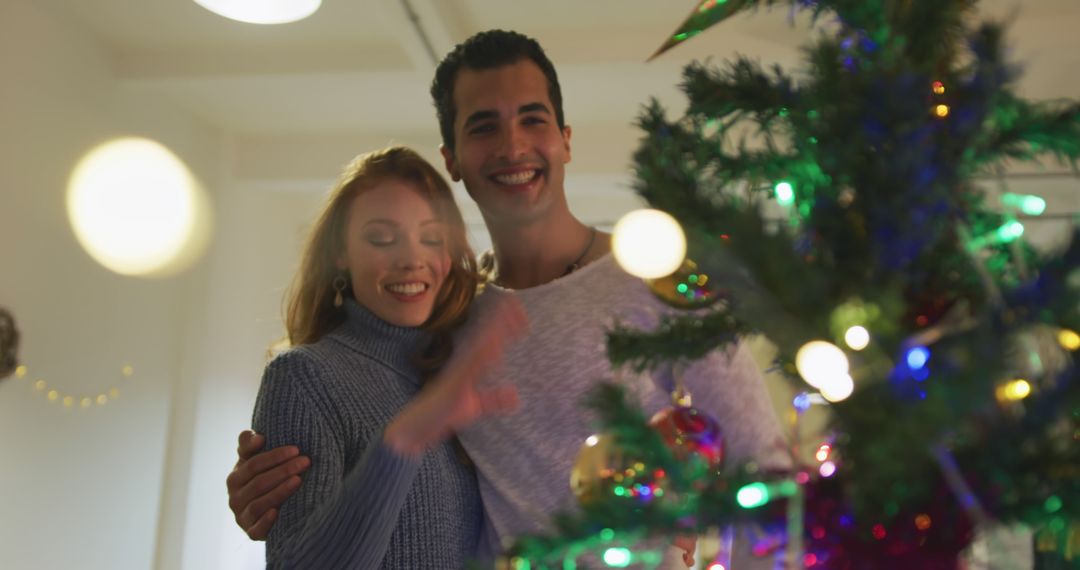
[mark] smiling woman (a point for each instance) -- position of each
(369, 389)
(262, 11)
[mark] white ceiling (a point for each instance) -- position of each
(356, 73)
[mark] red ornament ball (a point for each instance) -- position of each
(689, 432)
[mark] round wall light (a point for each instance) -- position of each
(136, 208)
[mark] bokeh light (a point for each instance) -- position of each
(820, 362)
(857, 337)
(1068, 339)
(785, 193)
(1026, 203)
(1014, 390)
(617, 557)
(649, 243)
(136, 209)
(752, 495)
(837, 388)
(917, 357)
(827, 469)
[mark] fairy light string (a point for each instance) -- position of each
(66, 399)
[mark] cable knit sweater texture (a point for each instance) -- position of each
(360, 505)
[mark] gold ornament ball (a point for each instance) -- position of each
(687, 288)
(602, 471)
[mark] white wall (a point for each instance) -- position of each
(79, 488)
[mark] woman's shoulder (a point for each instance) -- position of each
(327, 362)
(305, 362)
(309, 355)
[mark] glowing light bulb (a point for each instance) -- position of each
(1068, 339)
(649, 244)
(801, 402)
(857, 337)
(1026, 203)
(752, 495)
(617, 557)
(820, 362)
(1010, 231)
(785, 193)
(1014, 391)
(941, 111)
(592, 440)
(917, 357)
(827, 469)
(837, 388)
(939, 88)
(823, 452)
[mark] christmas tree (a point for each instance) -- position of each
(893, 285)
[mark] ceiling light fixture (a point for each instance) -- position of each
(262, 11)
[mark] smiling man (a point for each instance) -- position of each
(499, 105)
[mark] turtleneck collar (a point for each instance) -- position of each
(390, 344)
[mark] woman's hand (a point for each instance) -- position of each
(453, 399)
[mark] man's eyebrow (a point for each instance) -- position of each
(533, 108)
(480, 116)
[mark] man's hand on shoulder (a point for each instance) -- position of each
(260, 482)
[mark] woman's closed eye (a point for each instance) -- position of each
(380, 239)
(433, 238)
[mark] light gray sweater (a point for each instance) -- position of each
(360, 505)
(524, 459)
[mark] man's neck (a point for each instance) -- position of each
(528, 255)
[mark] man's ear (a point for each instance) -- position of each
(566, 141)
(451, 164)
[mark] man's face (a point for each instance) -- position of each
(510, 151)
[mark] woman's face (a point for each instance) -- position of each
(396, 252)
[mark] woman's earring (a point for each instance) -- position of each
(339, 286)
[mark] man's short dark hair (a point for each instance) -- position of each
(488, 50)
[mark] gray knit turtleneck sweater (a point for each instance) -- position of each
(360, 505)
